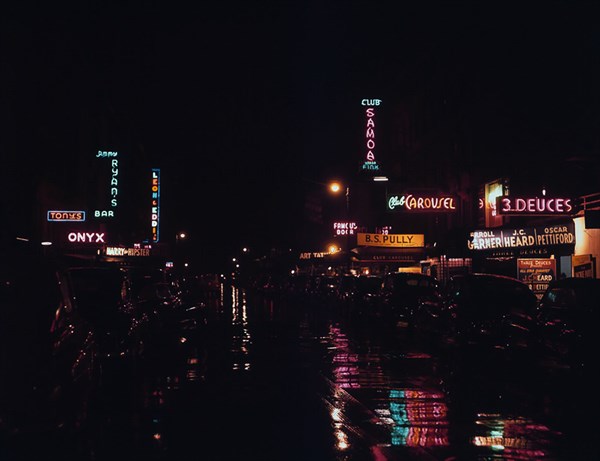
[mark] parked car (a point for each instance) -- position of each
(367, 292)
(96, 323)
(297, 285)
(327, 288)
(176, 309)
(567, 313)
(402, 294)
(28, 298)
(490, 311)
(346, 289)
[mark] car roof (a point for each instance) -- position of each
(409, 274)
(577, 281)
(485, 274)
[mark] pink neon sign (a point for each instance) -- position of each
(533, 206)
(370, 163)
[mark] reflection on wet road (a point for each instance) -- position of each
(276, 379)
(391, 398)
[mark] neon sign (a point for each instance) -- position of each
(86, 237)
(370, 164)
(311, 255)
(119, 251)
(533, 206)
(410, 202)
(155, 209)
(344, 228)
(66, 215)
(113, 184)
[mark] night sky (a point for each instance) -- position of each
(239, 103)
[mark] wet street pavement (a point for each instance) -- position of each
(290, 379)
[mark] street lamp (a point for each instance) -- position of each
(336, 187)
(179, 237)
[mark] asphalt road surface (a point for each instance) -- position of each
(275, 378)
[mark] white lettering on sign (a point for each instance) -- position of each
(86, 237)
(345, 228)
(522, 238)
(104, 214)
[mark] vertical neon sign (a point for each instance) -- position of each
(370, 163)
(113, 185)
(155, 211)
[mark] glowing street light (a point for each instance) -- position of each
(333, 249)
(335, 187)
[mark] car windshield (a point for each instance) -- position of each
(496, 296)
(144, 281)
(368, 284)
(577, 294)
(97, 288)
(347, 282)
(412, 282)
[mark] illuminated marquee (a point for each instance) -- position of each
(66, 215)
(155, 201)
(113, 185)
(410, 202)
(563, 234)
(370, 164)
(344, 228)
(391, 240)
(507, 205)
